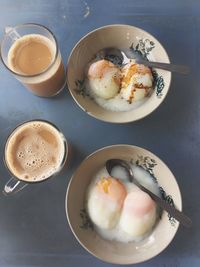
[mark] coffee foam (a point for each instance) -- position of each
(35, 151)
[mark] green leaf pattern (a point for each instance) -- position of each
(86, 222)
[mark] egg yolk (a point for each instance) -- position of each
(112, 187)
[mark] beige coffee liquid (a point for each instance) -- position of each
(34, 151)
(35, 54)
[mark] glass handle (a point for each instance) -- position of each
(13, 186)
(12, 33)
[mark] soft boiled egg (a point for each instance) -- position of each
(105, 201)
(138, 214)
(104, 79)
(137, 80)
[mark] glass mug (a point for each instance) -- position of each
(35, 151)
(31, 53)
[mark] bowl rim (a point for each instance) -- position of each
(67, 202)
(93, 114)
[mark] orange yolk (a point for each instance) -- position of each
(113, 188)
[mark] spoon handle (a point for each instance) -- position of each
(178, 215)
(182, 69)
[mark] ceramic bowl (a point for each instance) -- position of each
(81, 226)
(119, 36)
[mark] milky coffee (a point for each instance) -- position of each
(35, 54)
(35, 151)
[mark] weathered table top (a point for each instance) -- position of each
(33, 225)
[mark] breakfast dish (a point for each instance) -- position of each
(123, 102)
(118, 209)
(98, 231)
(118, 88)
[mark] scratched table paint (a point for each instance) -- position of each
(33, 226)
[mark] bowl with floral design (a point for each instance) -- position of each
(83, 228)
(121, 37)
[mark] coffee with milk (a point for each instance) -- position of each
(35, 151)
(39, 65)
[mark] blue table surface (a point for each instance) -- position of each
(33, 225)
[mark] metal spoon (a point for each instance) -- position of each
(178, 215)
(125, 55)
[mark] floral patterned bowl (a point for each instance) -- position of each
(81, 226)
(119, 36)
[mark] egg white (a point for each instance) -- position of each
(106, 87)
(136, 226)
(130, 92)
(121, 228)
(103, 211)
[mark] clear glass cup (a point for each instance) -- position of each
(16, 183)
(51, 80)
